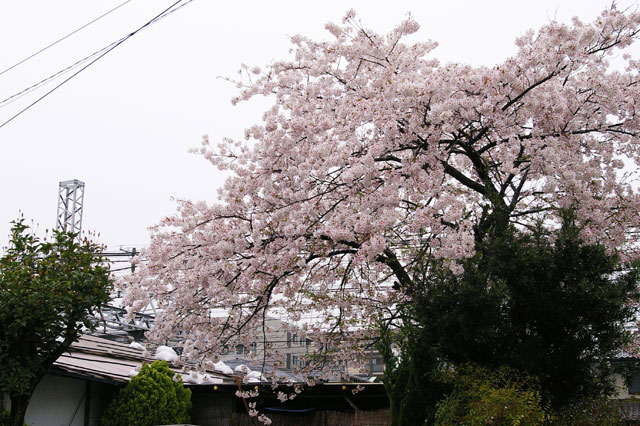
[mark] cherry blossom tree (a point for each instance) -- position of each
(375, 155)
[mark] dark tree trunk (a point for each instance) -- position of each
(19, 405)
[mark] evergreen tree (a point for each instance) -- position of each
(553, 308)
(154, 396)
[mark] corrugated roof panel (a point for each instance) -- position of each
(100, 358)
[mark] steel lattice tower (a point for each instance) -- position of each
(70, 206)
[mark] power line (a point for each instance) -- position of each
(126, 268)
(63, 71)
(113, 45)
(65, 37)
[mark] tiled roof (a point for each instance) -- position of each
(102, 359)
(96, 358)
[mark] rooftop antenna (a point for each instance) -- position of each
(70, 206)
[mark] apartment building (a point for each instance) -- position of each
(278, 338)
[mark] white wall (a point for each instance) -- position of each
(55, 401)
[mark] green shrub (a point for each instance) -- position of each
(152, 397)
(484, 397)
(591, 412)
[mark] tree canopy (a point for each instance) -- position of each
(553, 309)
(48, 290)
(374, 155)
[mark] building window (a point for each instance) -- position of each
(288, 339)
(289, 361)
(254, 347)
(294, 361)
(376, 365)
(240, 350)
(634, 384)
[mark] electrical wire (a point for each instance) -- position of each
(26, 91)
(126, 268)
(104, 51)
(64, 38)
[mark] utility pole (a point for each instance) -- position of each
(70, 206)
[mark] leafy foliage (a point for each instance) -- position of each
(591, 412)
(502, 397)
(47, 291)
(552, 307)
(5, 419)
(413, 378)
(154, 396)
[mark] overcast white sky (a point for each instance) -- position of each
(124, 125)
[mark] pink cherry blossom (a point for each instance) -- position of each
(374, 154)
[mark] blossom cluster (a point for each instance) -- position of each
(374, 155)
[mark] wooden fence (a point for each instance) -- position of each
(318, 418)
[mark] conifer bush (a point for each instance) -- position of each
(155, 396)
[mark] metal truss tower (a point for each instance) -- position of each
(70, 206)
(111, 321)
